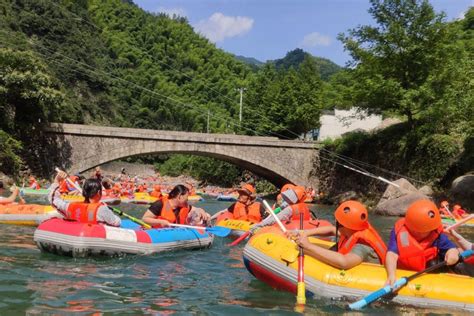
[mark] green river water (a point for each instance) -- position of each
(205, 282)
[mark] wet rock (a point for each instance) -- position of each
(349, 195)
(395, 201)
(462, 191)
(426, 190)
(398, 206)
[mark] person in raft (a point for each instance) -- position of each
(466, 267)
(417, 241)
(444, 209)
(174, 209)
(292, 206)
(90, 211)
(357, 242)
(11, 199)
(246, 208)
(458, 212)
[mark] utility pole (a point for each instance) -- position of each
(241, 96)
(208, 115)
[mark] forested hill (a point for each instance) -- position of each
(295, 57)
(111, 63)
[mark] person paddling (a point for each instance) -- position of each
(417, 241)
(358, 240)
(246, 208)
(175, 209)
(11, 199)
(90, 211)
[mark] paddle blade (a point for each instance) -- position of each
(238, 240)
(219, 231)
(377, 294)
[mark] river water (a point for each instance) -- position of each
(205, 282)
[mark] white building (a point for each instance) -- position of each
(338, 122)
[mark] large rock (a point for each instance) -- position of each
(462, 191)
(392, 192)
(426, 190)
(398, 206)
(395, 201)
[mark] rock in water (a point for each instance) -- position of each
(462, 191)
(395, 201)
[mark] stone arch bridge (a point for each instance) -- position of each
(278, 161)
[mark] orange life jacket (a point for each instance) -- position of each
(66, 187)
(168, 213)
(368, 237)
(155, 194)
(300, 208)
(83, 212)
(34, 185)
(249, 213)
(413, 255)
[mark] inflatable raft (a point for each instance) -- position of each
(26, 214)
(82, 240)
(227, 198)
(273, 259)
(451, 221)
(239, 227)
(29, 191)
(111, 200)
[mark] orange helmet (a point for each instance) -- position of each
(456, 207)
(422, 216)
(247, 189)
(353, 215)
(286, 187)
(444, 204)
(300, 193)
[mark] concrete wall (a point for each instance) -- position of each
(333, 126)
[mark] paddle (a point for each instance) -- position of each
(216, 230)
(400, 283)
(461, 222)
(246, 234)
(449, 212)
(130, 217)
(300, 290)
(269, 209)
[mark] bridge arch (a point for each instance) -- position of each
(276, 160)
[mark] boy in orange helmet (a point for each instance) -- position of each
(417, 241)
(358, 241)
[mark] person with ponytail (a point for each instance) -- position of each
(174, 209)
(91, 211)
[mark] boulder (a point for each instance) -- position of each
(426, 190)
(398, 206)
(392, 192)
(395, 201)
(462, 191)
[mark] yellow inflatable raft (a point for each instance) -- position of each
(272, 258)
(238, 227)
(26, 214)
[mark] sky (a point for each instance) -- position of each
(268, 29)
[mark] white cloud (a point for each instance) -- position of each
(315, 39)
(172, 11)
(219, 26)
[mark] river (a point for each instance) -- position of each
(205, 282)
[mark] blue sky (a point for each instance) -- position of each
(268, 29)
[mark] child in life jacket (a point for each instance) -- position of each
(91, 211)
(417, 241)
(174, 209)
(246, 208)
(357, 242)
(292, 205)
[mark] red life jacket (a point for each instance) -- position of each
(167, 213)
(249, 213)
(83, 212)
(300, 208)
(368, 237)
(413, 255)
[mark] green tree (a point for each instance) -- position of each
(394, 61)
